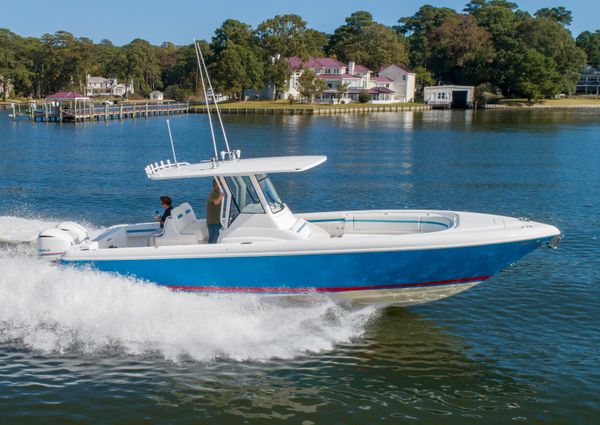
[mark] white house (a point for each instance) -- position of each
(403, 81)
(394, 83)
(100, 86)
(449, 96)
(5, 83)
(156, 95)
(589, 81)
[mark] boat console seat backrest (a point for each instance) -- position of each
(183, 217)
(182, 227)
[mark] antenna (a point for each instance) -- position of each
(212, 131)
(212, 91)
(172, 145)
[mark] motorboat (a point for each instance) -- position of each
(401, 257)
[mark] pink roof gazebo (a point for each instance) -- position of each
(67, 95)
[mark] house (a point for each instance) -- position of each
(449, 96)
(5, 85)
(100, 86)
(345, 82)
(589, 81)
(402, 81)
(156, 95)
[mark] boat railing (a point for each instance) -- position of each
(157, 167)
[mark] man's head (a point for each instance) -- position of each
(165, 201)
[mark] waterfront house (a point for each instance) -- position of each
(5, 85)
(156, 95)
(401, 81)
(589, 81)
(100, 86)
(449, 96)
(344, 83)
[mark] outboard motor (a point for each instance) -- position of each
(78, 232)
(52, 243)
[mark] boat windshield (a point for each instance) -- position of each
(270, 193)
(244, 198)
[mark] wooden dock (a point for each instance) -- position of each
(47, 112)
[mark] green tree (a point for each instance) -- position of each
(277, 73)
(233, 31)
(14, 63)
(87, 61)
(182, 69)
(140, 62)
(550, 39)
(423, 79)
(367, 42)
(288, 35)
(341, 90)
(237, 70)
(556, 14)
(590, 43)
(237, 60)
(309, 85)
(460, 50)
(419, 28)
(364, 96)
(534, 75)
(501, 20)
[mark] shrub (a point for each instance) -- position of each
(486, 94)
(363, 96)
(177, 93)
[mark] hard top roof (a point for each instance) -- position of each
(235, 167)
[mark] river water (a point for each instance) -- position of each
(81, 346)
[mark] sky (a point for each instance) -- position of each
(179, 21)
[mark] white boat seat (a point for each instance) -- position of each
(183, 228)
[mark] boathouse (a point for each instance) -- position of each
(446, 97)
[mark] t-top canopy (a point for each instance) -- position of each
(233, 167)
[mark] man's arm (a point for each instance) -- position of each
(219, 198)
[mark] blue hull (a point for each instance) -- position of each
(324, 272)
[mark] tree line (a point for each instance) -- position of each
(491, 43)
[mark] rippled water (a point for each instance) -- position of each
(81, 346)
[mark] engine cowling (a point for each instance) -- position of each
(52, 243)
(77, 231)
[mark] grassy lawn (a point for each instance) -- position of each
(556, 103)
(284, 104)
(571, 101)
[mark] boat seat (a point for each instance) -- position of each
(183, 228)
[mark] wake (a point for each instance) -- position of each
(55, 309)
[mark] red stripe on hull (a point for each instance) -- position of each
(331, 289)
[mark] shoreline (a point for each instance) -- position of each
(274, 107)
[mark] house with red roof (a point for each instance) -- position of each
(394, 83)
